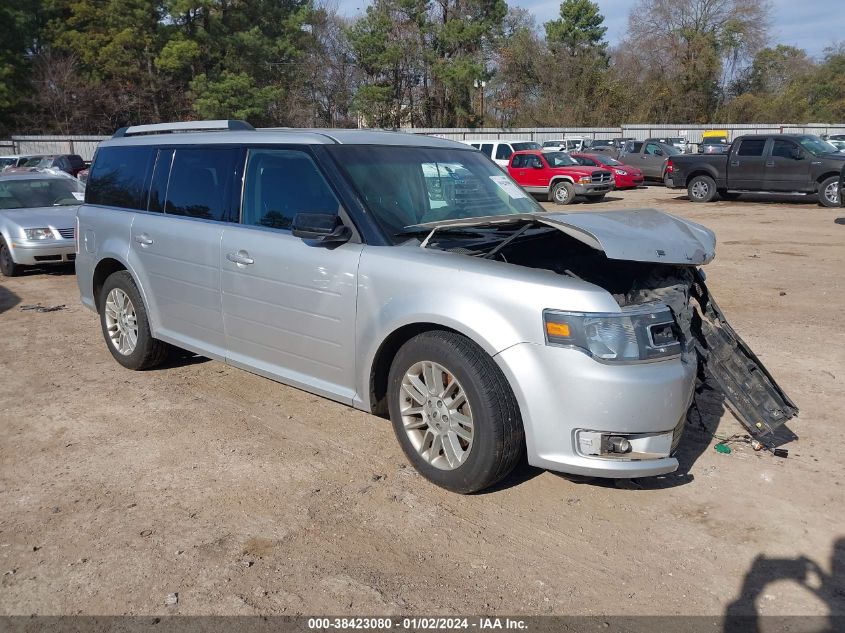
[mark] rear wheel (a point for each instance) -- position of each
(453, 412)
(829, 192)
(701, 189)
(563, 192)
(7, 265)
(123, 318)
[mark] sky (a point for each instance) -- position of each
(809, 24)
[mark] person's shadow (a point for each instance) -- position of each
(741, 615)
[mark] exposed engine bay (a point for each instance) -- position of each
(722, 358)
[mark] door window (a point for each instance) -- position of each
(751, 147)
(487, 148)
(784, 149)
(202, 183)
(653, 149)
(282, 183)
(518, 161)
(503, 151)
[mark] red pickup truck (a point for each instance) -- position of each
(559, 176)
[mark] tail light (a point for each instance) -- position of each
(669, 166)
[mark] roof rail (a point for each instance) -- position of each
(184, 126)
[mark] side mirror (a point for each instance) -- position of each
(537, 165)
(325, 228)
(658, 152)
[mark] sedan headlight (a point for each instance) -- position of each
(621, 172)
(642, 334)
(38, 234)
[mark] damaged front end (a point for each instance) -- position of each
(642, 257)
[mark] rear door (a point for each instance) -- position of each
(175, 247)
(288, 304)
(787, 167)
(747, 164)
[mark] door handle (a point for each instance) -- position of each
(734, 163)
(770, 163)
(241, 258)
(143, 239)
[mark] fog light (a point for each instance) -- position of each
(616, 444)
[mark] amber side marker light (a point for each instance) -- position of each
(557, 329)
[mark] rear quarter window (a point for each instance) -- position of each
(118, 177)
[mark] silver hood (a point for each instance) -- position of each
(60, 217)
(637, 235)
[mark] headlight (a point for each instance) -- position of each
(38, 234)
(621, 172)
(642, 334)
(585, 180)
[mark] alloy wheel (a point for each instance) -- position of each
(121, 321)
(436, 415)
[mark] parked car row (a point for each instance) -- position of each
(71, 164)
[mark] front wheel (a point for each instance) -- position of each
(7, 265)
(829, 192)
(563, 192)
(454, 412)
(126, 328)
(701, 189)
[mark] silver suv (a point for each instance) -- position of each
(408, 276)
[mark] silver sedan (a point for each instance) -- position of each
(37, 220)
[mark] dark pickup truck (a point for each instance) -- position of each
(771, 163)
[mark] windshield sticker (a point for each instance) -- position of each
(79, 195)
(509, 187)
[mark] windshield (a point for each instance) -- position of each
(519, 147)
(38, 161)
(607, 160)
(553, 143)
(671, 150)
(817, 146)
(601, 142)
(39, 192)
(5, 162)
(405, 186)
(559, 159)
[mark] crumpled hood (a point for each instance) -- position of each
(62, 217)
(637, 235)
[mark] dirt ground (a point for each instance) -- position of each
(245, 496)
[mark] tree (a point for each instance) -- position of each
(688, 51)
(578, 28)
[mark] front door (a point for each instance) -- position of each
(288, 304)
(652, 161)
(787, 167)
(175, 247)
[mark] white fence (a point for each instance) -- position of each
(639, 131)
(86, 145)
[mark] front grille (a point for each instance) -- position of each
(68, 234)
(602, 177)
(48, 258)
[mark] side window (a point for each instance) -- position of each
(534, 162)
(636, 147)
(783, 149)
(201, 183)
(118, 177)
(487, 148)
(281, 183)
(518, 161)
(652, 149)
(476, 145)
(503, 151)
(751, 147)
(161, 174)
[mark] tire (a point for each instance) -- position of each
(147, 351)
(701, 189)
(829, 192)
(7, 265)
(496, 442)
(724, 194)
(563, 192)
(597, 198)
